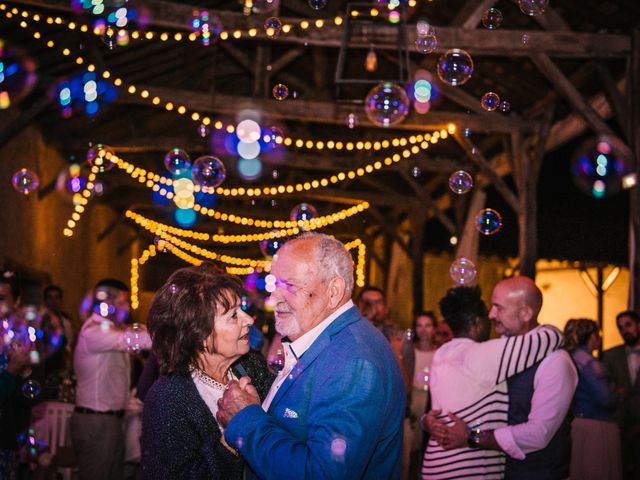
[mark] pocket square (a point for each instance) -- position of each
(288, 413)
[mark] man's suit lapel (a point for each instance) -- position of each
(314, 350)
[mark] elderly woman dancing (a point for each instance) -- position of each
(201, 340)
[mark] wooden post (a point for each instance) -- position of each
(418, 220)
(633, 81)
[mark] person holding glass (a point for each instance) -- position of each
(201, 341)
(595, 437)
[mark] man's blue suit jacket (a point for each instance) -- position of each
(338, 415)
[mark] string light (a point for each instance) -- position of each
(200, 118)
(153, 226)
(80, 200)
(163, 245)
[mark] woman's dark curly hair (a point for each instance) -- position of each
(461, 307)
(183, 311)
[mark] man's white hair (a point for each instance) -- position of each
(333, 258)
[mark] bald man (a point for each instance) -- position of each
(537, 440)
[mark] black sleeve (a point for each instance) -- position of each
(149, 375)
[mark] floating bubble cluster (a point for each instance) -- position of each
(386, 104)
(462, 271)
(488, 221)
(455, 67)
(303, 211)
(426, 40)
(490, 101)
(280, 91)
(177, 161)
(272, 27)
(599, 165)
(97, 155)
(460, 182)
(208, 171)
(25, 181)
(492, 18)
(533, 7)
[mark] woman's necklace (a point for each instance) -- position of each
(212, 382)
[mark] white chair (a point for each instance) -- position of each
(53, 430)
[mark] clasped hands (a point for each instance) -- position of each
(239, 394)
(448, 436)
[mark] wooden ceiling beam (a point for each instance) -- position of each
(555, 43)
(324, 112)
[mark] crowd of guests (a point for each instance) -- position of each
(352, 395)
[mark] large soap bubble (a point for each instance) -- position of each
(455, 67)
(599, 164)
(208, 171)
(386, 104)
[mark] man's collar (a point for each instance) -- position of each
(302, 343)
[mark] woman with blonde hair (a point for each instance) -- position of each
(595, 452)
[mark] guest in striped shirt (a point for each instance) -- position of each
(469, 381)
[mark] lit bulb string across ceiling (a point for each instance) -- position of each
(236, 34)
(153, 227)
(200, 118)
(151, 251)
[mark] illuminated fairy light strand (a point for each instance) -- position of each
(200, 118)
(237, 34)
(80, 201)
(154, 180)
(313, 224)
(151, 251)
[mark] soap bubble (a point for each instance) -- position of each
(269, 246)
(427, 43)
(599, 165)
(460, 182)
(490, 101)
(99, 155)
(280, 91)
(415, 171)
(424, 28)
(25, 181)
(203, 130)
(488, 221)
(272, 27)
(492, 18)
(31, 389)
(17, 75)
(177, 161)
(505, 106)
(303, 211)
(161, 244)
(467, 132)
(134, 338)
(386, 104)
(352, 120)
(208, 172)
(318, 4)
(455, 67)
(462, 271)
(533, 7)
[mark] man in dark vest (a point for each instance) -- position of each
(623, 365)
(538, 439)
